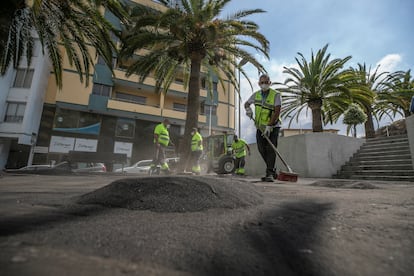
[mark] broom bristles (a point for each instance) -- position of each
(287, 176)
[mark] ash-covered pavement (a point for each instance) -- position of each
(186, 225)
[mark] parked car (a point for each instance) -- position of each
(140, 167)
(60, 168)
(143, 166)
(31, 168)
(88, 167)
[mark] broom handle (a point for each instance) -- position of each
(275, 149)
(278, 154)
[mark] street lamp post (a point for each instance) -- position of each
(212, 104)
(32, 146)
(241, 63)
(209, 121)
(239, 106)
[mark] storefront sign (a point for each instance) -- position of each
(123, 147)
(39, 149)
(89, 145)
(61, 144)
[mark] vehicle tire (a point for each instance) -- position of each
(226, 165)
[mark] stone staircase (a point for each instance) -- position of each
(382, 158)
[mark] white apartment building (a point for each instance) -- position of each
(22, 93)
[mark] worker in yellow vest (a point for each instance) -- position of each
(267, 102)
(196, 151)
(239, 147)
(161, 141)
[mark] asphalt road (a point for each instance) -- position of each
(311, 227)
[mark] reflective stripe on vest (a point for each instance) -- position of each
(163, 134)
(264, 108)
(239, 148)
(195, 145)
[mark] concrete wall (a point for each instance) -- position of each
(409, 122)
(309, 155)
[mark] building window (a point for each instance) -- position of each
(179, 79)
(23, 78)
(130, 98)
(203, 83)
(36, 49)
(77, 122)
(88, 119)
(101, 61)
(15, 112)
(215, 86)
(101, 90)
(66, 118)
(179, 107)
(125, 128)
(212, 109)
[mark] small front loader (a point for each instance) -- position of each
(219, 153)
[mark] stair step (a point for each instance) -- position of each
(385, 153)
(376, 177)
(377, 167)
(406, 161)
(382, 172)
(385, 145)
(384, 149)
(383, 178)
(387, 138)
(383, 158)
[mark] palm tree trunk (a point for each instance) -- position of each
(369, 124)
(317, 120)
(193, 105)
(315, 106)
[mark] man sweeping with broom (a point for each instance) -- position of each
(267, 104)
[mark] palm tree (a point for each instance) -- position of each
(374, 82)
(72, 24)
(187, 36)
(397, 98)
(318, 85)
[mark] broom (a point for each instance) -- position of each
(290, 175)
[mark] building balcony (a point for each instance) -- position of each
(134, 107)
(133, 81)
(150, 110)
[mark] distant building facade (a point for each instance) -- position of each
(40, 124)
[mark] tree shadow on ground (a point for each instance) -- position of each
(280, 242)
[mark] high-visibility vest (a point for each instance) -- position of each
(264, 108)
(239, 148)
(195, 142)
(163, 135)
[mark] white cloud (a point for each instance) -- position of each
(389, 63)
(275, 70)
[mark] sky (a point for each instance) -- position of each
(371, 31)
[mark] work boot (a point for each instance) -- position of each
(267, 179)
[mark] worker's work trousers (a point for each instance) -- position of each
(195, 161)
(266, 150)
(239, 165)
(159, 157)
